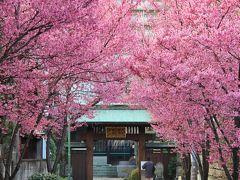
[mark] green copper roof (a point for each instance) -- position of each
(118, 116)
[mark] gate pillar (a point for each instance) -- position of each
(141, 147)
(89, 161)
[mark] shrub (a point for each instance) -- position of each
(41, 176)
(134, 175)
(51, 177)
(37, 176)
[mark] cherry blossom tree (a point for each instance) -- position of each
(57, 60)
(189, 68)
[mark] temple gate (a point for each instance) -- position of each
(114, 124)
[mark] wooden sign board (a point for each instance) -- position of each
(115, 132)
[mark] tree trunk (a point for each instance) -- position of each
(187, 166)
(200, 166)
(10, 152)
(235, 161)
(15, 170)
(235, 154)
(224, 166)
(59, 149)
(205, 164)
(29, 137)
(205, 157)
(48, 151)
(60, 145)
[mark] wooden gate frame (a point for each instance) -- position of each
(89, 137)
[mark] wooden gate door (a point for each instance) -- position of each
(78, 162)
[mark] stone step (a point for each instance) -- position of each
(105, 171)
(99, 160)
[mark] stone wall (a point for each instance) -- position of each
(29, 167)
